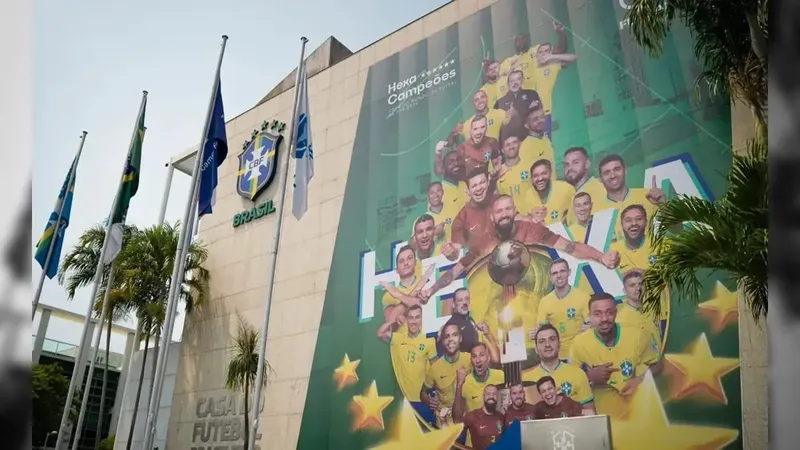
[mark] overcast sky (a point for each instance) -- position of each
(93, 59)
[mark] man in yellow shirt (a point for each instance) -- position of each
(566, 308)
(514, 176)
(439, 389)
(492, 80)
(495, 118)
(577, 172)
(524, 57)
(424, 239)
(634, 248)
(582, 211)
(570, 380)
(442, 211)
(545, 74)
(629, 312)
(545, 199)
(613, 174)
(536, 145)
(411, 354)
(470, 394)
(615, 357)
(397, 299)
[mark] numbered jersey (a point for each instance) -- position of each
(410, 359)
(567, 314)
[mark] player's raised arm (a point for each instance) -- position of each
(583, 251)
(459, 404)
(407, 300)
(385, 331)
(491, 340)
(438, 158)
(561, 46)
(564, 58)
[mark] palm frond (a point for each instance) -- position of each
(243, 362)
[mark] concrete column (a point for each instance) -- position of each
(130, 343)
(82, 360)
(41, 333)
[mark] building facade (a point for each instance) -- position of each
(384, 122)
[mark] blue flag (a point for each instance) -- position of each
(215, 149)
(54, 229)
(511, 439)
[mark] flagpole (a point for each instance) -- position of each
(57, 226)
(178, 267)
(274, 255)
(65, 428)
(95, 348)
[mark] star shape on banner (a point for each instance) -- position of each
(648, 427)
(722, 309)
(346, 374)
(408, 434)
(368, 408)
(697, 371)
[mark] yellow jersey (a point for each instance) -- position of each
(545, 80)
(441, 375)
(571, 381)
(557, 202)
(514, 181)
(410, 358)
(635, 196)
(495, 119)
(388, 300)
(631, 315)
(577, 232)
(567, 314)
(596, 191)
(454, 197)
(472, 391)
(631, 353)
(445, 218)
(491, 90)
(633, 258)
(532, 149)
(527, 62)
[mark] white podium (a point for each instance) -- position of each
(573, 433)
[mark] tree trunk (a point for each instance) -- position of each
(757, 40)
(156, 349)
(105, 382)
(246, 414)
(138, 393)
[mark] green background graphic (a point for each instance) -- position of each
(614, 99)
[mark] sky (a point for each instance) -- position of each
(93, 58)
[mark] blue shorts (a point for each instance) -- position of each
(424, 412)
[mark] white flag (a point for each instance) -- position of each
(304, 153)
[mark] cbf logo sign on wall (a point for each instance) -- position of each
(259, 160)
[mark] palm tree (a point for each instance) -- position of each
(243, 367)
(730, 39)
(730, 235)
(149, 262)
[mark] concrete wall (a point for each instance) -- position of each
(238, 258)
(129, 397)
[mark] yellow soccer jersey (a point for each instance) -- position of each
(533, 149)
(596, 191)
(630, 315)
(410, 358)
(545, 79)
(441, 375)
(577, 232)
(444, 217)
(632, 354)
(633, 258)
(454, 197)
(526, 63)
(570, 379)
(515, 181)
(388, 300)
(635, 196)
(491, 90)
(472, 391)
(495, 119)
(567, 315)
(557, 202)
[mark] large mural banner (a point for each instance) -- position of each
(492, 240)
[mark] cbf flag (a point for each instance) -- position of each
(215, 149)
(304, 152)
(55, 229)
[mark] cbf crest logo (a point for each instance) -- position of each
(258, 161)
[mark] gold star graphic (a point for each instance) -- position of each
(408, 434)
(368, 408)
(722, 309)
(345, 374)
(697, 371)
(647, 427)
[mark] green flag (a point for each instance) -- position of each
(128, 186)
